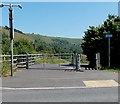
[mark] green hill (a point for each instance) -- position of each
(39, 43)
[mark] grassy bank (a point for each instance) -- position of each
(112, 69)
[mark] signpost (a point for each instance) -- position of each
(108, 36)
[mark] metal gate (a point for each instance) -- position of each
(50, 61)
(44, 61)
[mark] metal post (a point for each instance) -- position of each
(27, 61)
(77, 61)
(11, 37)
(109, 36)
(109, 51)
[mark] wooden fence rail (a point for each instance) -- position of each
(25, 60)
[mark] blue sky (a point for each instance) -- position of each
(59, 19)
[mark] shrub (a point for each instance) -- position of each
(5, 70)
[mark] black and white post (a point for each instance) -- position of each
(11, 31)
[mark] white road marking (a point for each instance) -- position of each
(53, 88)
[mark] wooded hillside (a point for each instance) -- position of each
(35, 43)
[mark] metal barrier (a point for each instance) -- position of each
(47, 59)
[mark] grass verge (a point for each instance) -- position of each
(5, 69)
(112, 69)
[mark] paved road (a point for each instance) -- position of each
(55, 78)
(37, 78)
(67, 95)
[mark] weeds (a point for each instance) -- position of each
(5, 69)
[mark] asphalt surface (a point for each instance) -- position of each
(55, 78)
(43, 78)
(68, 95)
(49, 66)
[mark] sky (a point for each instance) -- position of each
(59, 19)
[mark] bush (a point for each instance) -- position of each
(5, 70)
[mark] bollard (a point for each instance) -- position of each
(27, 61)
(77, 61)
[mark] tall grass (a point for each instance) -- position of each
(5, 69)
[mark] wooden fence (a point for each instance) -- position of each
(26, 60)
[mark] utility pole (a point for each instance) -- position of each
(11, 31)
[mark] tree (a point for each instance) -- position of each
(6, 46)
(95, 41)
(23, 46)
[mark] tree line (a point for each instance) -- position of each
(96, 42)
